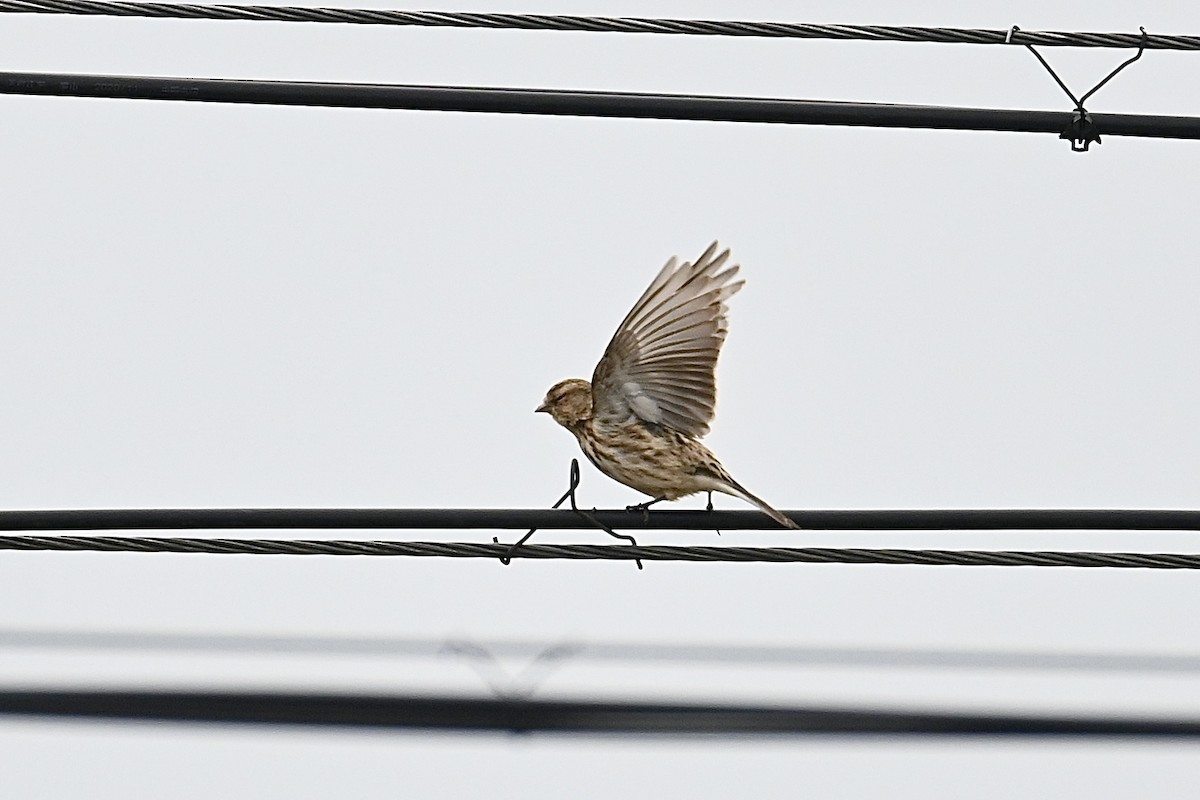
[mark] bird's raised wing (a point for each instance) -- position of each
(661, 362)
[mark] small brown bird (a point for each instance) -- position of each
(654, 391)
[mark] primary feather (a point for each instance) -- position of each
(661, 362)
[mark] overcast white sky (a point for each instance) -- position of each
(207, 305)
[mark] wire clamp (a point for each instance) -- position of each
(1082, 130)
(506, 559)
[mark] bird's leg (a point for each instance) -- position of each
(645, 508)
(710, 508)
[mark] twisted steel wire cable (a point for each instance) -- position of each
(546, 22)
(725, 554)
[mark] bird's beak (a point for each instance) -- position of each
(541, 408)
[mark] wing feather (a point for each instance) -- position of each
(661, 362)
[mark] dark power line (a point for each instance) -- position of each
(543, 22)
(589, 104)
(724, 554)
(552, 519)
(557, 716)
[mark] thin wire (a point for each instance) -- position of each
(559, 716)
(1062, 85)
(723, 554)
(1115, 72)
(543, 22)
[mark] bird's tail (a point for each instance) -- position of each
(737, 490)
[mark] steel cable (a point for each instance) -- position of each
(721, 554)
(545, 22)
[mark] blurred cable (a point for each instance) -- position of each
(593, 104)
(543, 22)
(557, 716)
(588, 650)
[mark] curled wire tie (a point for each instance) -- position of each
(506, 559)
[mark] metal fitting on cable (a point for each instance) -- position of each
(1081, 130)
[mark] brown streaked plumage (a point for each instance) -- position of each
(654, 391)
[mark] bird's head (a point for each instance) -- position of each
(569, 402)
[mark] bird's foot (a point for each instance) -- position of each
(645, 508)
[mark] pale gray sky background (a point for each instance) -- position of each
(207, 305)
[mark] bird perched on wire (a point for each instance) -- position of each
(654, 391)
